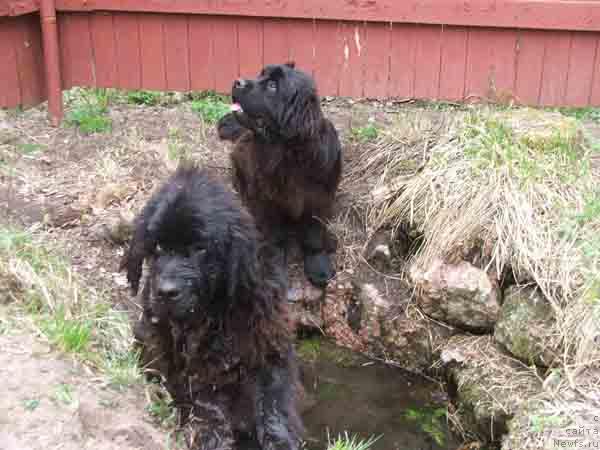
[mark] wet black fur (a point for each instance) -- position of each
(223, 344)
(287, 162)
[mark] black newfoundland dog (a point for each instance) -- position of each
(287, 162)
(215, 325)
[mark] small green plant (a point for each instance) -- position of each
(148, 98)
(592, 114)
(122, 369)
(542, 423)
(160, 407)
(64, 394)
(309, 349)
(176, 149)
(346, 442)
(365, 134)
(31, 404)
(29, 148)
(69, 334)
(89, 110)
(211, 107)
(431, 421)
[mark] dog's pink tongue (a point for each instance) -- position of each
(236, 107)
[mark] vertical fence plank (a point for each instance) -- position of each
(152, 50)
(29, 57)
(10, 91)
(427, 61)
(225, 51)
(402, 60)
(556, 61)
(201, 53)
(104, 49)
(128, 50)
(177, 52)
(377, 59)
(250, 46)
(491, 64)
(595, 93)
(78, 40)
(581, 69)
(302, 49)
(328, 56)
(353, 40)
(277, 41)
(65, 58)
(530, 67)
(454, 62)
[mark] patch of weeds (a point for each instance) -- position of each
(176, 149)
(365, 134)
(491, 143)
(29, 148)
(122, 369)
(592, 114)
(64, 394)
(108, 403)
(539, 424)
(211, 107)
(159, 406)
(75, 318)
(431, 420)
(31, 404)
(69, 334)
(347, 442)
(309, 349)
(89, 111)
(175, 440)
(148, 98)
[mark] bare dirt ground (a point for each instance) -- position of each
(48, 402)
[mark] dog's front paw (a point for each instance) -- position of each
(319, 268)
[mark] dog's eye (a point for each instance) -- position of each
(271, 85)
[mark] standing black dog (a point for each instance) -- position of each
(215, 324)
(287, 161)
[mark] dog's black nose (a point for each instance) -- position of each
(167, 289)
(240, 83)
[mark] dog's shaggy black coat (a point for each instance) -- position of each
(215, 324)
(287, 161)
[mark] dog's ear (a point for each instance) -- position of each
(139, 248)
(242, 262)
(302, 117)
(291, 64)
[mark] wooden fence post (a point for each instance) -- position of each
(51, 60)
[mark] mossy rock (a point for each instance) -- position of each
(488, 386)
(525, 326)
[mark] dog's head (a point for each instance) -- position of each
(201, 246)
(282, 99)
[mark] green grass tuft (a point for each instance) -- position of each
(346, 442)
(211, 107)
(148, 98)
(365, 134)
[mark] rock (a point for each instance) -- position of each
(378, 252)
(305, 300)
(459, 294)
(525, 325)
(488, 386)
(109, 194)
(566, 420)
(118, 229)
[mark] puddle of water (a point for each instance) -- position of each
(370, 400)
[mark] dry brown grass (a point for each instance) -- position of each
(516, 188)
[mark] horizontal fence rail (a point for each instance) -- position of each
(535, 52)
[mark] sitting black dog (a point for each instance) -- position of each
(287, 162)
(215, 325)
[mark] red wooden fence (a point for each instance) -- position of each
(538, 52)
